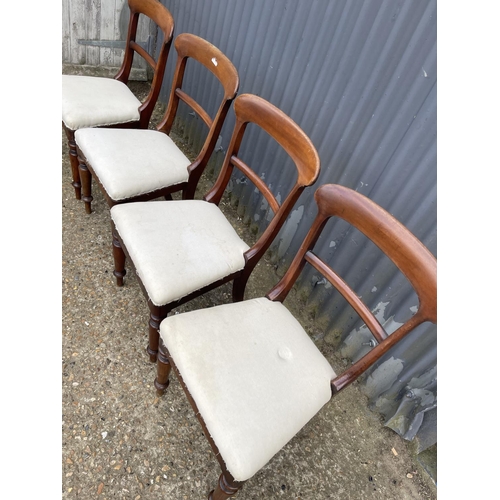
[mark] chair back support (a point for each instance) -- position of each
(160, 15)
(250, 108)
(411, 257)
(191, 46)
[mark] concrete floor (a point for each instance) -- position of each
(120, 440)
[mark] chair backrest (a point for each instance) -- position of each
(250, 108)
(411, 257)
(161, 16)
(191, 46)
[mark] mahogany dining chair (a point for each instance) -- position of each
(251, 372)
(139, 165)
(181, 249)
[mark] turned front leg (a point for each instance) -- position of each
(119, 258)
(226, 488)
(73, 159)
(155, 318)
(163, 368)
(86, 183)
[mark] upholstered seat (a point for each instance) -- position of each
(268, 381)
(178, 246)
(89, 101)
(147, 159)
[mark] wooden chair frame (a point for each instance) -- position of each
(154, 10)
(248, 109)
(411, 257)
(187, 46)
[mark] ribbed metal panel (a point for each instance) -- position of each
(360, 79)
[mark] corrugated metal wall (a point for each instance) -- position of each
(360, 78)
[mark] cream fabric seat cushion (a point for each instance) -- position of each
(131, 162)
(255, 375)
(89, 101)
(178, 246)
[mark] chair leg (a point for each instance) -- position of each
(163, 370)
(119, 257)
(189, 192)
(156, 316)
(86, 183)
(239, 285)
(225, 488)
(73, 158)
